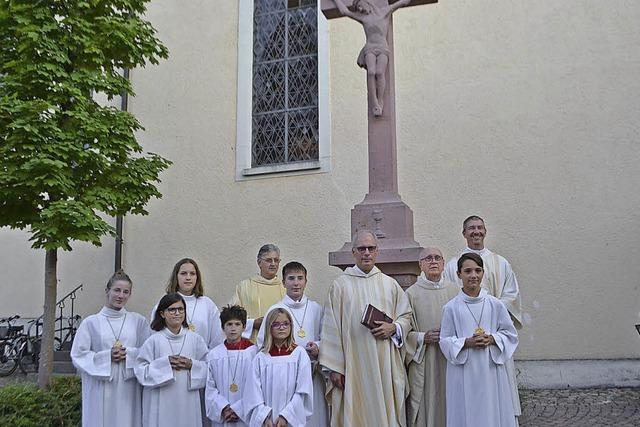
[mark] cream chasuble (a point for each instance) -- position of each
(256, 295)
(426, 364)
(500, 281)
(110, 393)
(307, 317)
(478, 390)
(375, 378)
(171, 397)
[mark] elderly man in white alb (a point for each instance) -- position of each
(426, 364)
(368, 380)
(499, 280)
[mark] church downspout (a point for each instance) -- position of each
(124, 106)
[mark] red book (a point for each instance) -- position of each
(371, 315)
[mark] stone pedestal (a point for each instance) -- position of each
(392, 221)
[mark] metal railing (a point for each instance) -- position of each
(65, 333)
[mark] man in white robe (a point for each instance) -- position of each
(499, 280)
(426, 364)
(110, 393)
(307, 326)
(368, 380)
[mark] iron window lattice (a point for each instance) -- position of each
(285, 82)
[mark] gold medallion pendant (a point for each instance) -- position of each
(192, 327)
(117, 344)
(233, 387)
(302, 333)
(478, 331)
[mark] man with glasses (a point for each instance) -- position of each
(259, 292)
(499, 280)
(427, 365)
(368, 380)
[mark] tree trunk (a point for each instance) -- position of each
(48, 327)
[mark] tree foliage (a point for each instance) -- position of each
(64, 157)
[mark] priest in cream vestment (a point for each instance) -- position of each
(499, 280)
(426, 364)
(368, 384)
(257, 293)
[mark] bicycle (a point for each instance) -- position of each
(29, 348)
(9, 346)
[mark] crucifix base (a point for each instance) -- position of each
(391, 220)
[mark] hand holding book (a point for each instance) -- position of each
(381, 325)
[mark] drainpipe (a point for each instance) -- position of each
(124, 106)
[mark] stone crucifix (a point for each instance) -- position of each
(377, 57)
(382, 210)
(374, 56)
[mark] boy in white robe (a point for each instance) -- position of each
(278, 387)
(172, 367)
(104, 351)
(477, 337)
(307, 326)
(228, 364)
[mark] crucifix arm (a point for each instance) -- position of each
(397, 5)
(344, 9)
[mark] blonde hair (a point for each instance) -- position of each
(268, 339)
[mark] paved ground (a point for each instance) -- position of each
(618, 407)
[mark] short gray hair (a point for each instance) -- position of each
(359, 233)
(269, 247)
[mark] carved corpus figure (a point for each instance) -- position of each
(374, 56)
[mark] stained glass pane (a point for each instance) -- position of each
(268, 139)
(303, 135)
(302, 82)
(303, 37)
(268, 6)
(269, 43)
(269, 87)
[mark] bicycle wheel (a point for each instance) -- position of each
(29, 358)
(8, 359)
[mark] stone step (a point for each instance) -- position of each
(62, 356)
(66, 346)
(63, 368)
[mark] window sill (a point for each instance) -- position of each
(287, 167)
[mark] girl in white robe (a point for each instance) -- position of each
(202, 315)
(307, 326)
(279, 388)
(104, 351)
(228, 365)
(172, 367)
(477, 337)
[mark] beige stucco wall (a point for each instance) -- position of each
(523, 113)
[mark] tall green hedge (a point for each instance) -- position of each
(25, 405)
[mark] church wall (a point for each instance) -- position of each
(523, 113)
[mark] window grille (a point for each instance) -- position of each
(285, 82)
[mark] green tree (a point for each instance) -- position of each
(65, 159)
